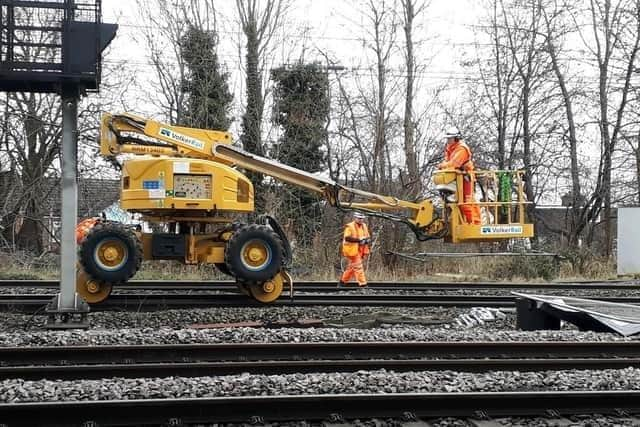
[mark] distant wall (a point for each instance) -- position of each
(628, 241)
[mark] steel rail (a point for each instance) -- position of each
(324, 286)
(91, 362)
(313, 350)
(150, 302)
(260, 409)
(30, 303)
(205, 369)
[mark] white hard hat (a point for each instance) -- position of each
(359, 215)
(452, 132)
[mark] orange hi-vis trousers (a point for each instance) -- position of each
(356, 269)
(471, 213)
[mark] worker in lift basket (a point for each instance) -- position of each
(457, 155)
(355, 247)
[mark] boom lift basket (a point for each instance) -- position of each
(503, 205)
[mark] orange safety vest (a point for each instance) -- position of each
(360, 232)
(457, 155)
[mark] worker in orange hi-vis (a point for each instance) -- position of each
(83, 228)
(355, 247)
(457, 155)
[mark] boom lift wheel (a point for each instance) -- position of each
(110, 253)
(91, 290)
(254, 254)
(268, 291)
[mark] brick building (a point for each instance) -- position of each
(94, 196)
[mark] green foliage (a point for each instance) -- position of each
(208, 96)
(251, 137)
(301, 109)
(504, 192)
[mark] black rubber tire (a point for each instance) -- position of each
(117, 231)
(233, 254)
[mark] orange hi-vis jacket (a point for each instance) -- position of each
(457, 155)
(358, 231)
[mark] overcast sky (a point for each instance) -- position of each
(447, 23)
(330, 26)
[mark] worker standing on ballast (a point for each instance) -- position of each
(355, 247)
(457, 155)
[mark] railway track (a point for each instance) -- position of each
(330, 407)
(192, 360)
(148, 302)
(87, 362)
(31, 303)
(324, 286)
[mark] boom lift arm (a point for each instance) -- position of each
(128, 133)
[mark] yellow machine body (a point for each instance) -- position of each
(200, 248)
(160, 185)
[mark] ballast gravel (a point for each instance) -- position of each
(182, 318)
(147, 336)
(378, 381)
(175, 326)
(172, 327)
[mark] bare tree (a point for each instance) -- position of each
(521, 23)
(384, 27)
(555, 29)
(31, 143)
(165, 25)
(493, 97)
(616, 31)
(367, 97)
(367, 124)
(610, 34)
(411, 9)
(523, 90)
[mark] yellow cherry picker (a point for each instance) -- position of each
(187, 183)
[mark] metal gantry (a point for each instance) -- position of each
(55, 46)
